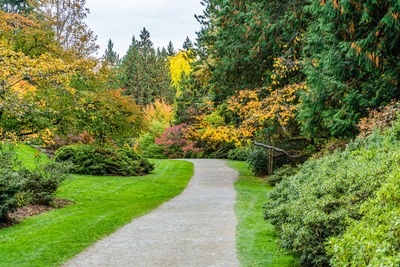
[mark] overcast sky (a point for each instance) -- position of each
(165, 20)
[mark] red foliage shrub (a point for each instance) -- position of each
(379, 119)
(175, 143)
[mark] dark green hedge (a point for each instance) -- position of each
(101, 160)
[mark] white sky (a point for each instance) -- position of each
(166, 20)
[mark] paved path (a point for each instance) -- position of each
(197, 228)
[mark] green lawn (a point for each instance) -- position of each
(26, 155)
(103, 204)
(255, 239)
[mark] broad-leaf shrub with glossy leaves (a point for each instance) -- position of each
(375, 239)
(325, 196)
(282, 173)
(239, 153)
(258, 160)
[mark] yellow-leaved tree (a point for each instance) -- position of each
(35, 89)
(180, 66)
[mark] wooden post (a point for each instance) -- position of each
(270, 157)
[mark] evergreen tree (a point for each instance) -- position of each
(144, 43)
(242, 57)
(352, 64)
(145, 73)
(187, 45)
(164, 52)
(171, 50)
(110, 55)
(134, 42)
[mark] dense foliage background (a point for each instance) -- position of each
(271, 82)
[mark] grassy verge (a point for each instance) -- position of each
(26, 155)
(103, 204)
(255, 239)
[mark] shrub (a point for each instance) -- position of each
(322, 199)
(99, 160)
(258, 160)
(40, 184)
(220, 152)
(282, 173)
(10, 184)
(159, 111)
(18, 182)
(381, 119)
(240, 153)
(375, 239)
(175, 143)
(149, 149)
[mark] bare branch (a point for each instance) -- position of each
(279, 150)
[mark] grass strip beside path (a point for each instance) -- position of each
(255, 239)
(103, 204)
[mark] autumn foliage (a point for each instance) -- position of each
(176, 143)
(160, 111)
(379, 119)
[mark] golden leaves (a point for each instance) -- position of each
(160, 111)
(180, 65)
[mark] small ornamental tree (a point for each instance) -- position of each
(110, 116)
(35, 89)
(176, 144)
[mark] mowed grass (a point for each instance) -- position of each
(103, 204)
(255, 238)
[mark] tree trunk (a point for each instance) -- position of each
(270, 157)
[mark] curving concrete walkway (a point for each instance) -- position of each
(197, 228)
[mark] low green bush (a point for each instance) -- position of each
(258, 160)
(326, 195)
(10, 182)
(103, 160)
(282, 173)
(20, 185)
(149, 148)
(240, 153)
(221, 152)
(10, 185)
(40, 184)
(375, 239)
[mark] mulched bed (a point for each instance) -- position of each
(33, 210)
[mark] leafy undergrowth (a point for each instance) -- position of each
(344, 203)
(103, 204)
(256, 239)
